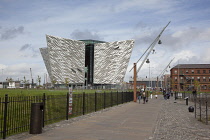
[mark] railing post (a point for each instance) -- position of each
(122, 97)
(104, 99)
(43, 113)
(195, 100)
(111, 98)
(67, 106)
(5, 116)
(95, 101)
(83, 110)
(117, 97)
(206, 112)
(200, 105)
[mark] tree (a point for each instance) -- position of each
(67, 82)
(197, 85)
(39, 80)
(53, 82)
(25, 82)
(10, 80)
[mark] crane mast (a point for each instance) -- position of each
(32, 80)
(162, 73)
(151, 47)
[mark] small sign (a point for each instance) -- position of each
(180, 95)
(70, 100)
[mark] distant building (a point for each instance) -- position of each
(186, 77)
(88, 62)
(152, 83)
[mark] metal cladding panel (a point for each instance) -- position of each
(111, 61)
(45, 56)
(67, 59)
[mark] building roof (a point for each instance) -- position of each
(192, 66)
(90, 41)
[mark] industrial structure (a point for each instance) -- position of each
(86, 62)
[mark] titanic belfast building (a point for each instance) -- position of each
(89, 62)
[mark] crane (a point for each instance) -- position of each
(164, 70)
(152, 47)
(32, 80)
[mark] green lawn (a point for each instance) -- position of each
(31, 92)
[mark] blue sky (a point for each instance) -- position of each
(25, 23)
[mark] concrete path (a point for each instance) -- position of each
(130, 121)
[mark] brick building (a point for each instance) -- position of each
(186, 77)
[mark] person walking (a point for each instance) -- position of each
(139, 97)
(156, 96)
(144, 97)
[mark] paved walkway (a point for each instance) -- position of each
(158, 119)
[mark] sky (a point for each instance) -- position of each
(25, 23)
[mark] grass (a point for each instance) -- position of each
(32, 92)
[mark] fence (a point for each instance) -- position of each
(201, 105)
(15, 111)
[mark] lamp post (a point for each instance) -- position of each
(134, 83)
(148, 62)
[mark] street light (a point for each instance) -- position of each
(148, 62)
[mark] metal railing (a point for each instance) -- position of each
(201, 105)
(15, 111)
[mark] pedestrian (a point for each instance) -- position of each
(139, 97)
(151, 95)
(156, 96)
(144, 97)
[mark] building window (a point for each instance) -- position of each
(192, 79)
(204, 71)
(209, 71)
(204, 87)
(198, 78)
(192, 71)
(198, 71)
(175, 86)
(186, 71)
(176, 78)
(204, 79)
(175, 71)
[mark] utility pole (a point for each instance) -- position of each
(134, 83)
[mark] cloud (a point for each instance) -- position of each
(86, 34)
(24, 47)
(28, 51)
(11, 33)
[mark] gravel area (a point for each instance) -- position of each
(175, 122)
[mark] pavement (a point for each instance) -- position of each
(158, 119)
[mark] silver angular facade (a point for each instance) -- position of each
(64, 59)
(111, 61)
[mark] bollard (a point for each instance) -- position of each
(191, 109)
(186, 100)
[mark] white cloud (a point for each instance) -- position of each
(186, 38)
